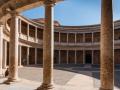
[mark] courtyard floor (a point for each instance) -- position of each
(65, 78)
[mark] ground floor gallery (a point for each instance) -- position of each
(34, 56)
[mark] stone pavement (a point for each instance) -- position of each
(64, 78)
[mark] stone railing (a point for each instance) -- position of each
(36, 40)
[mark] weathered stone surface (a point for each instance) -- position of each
(107, 57)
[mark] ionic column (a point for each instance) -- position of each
(59, 38)
(28, 31)
(36, 34)
(1, 47)
(92, 37)
(107, 45)
(75, 38)
(20, 26)
(67, 38)
(48, 47)
(83, 37)
(13, 49)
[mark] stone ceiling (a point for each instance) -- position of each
(19, 5)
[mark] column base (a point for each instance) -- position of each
(105, 89)
(11, 81)
(45, 87)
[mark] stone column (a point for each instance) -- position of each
(35, 56)
(59, 57)
(4, 54)
(75, 38)
(1, 47)
(48, 47)
(83, 37)
(28, 32)
(59, 38)
(75, 56)
(83, 56)
(20, 26)
(36, 34)
(92, 56)
(13, 49)
(19, 63)
(28, 51)
(67, 38)
(67, 56)
(92, 37)
(107, 45)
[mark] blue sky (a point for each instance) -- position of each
(75, 12)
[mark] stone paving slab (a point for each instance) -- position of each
(72, 80)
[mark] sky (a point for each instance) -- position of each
(75, 12)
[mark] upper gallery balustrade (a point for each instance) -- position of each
(33, 32)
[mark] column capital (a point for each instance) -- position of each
(49, 2)
(13, 13)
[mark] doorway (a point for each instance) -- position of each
(88, 57)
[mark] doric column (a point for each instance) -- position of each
(4, 54)
(19, 63)
(13, 49)
(48, 47)
(35, 56)
(92, 56)
(36, 34)
(28, 51)
(75, 56)
(67, 56)
(59, 57)
(83, 56)
(1, 47)
(107, 51)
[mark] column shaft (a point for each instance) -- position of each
(19, 63)
(83, 56)
(36, 34)
(28, 51)
(92, 56)
(1, 47)
(107, 37)
(59, 57)
(83, 37)
(59, 38)
(67, 56)
(13, 50)
(5, 54)
(75, 56)
(35, 56)
(48, 47)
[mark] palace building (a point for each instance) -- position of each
(73, 44)
(26, 42)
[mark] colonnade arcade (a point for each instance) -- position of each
(106, 47)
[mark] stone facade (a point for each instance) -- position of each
(73, 45)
